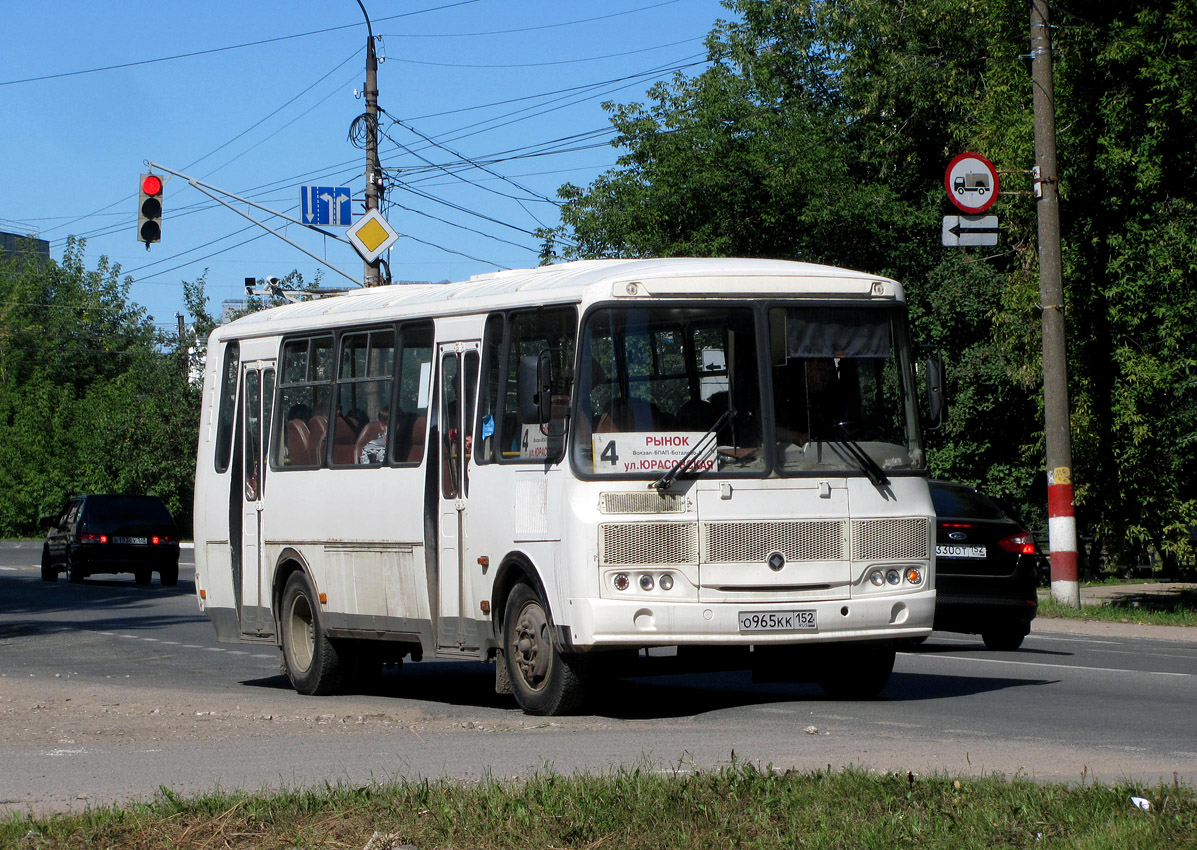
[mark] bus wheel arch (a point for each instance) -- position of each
(310, 659)
(532, 662)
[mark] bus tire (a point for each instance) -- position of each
(544, 680)
(856, 670)
(309, 657)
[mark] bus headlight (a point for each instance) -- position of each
(646, 582)
(893, 577)
(666, 582)
(877, 578)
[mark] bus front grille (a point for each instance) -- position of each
(672, 543)
(754, 542)
(891, 539)
(648, 543)
(642, 502)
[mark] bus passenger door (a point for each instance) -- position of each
(457, 391)
(257, 390)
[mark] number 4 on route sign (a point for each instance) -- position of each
(371, 235)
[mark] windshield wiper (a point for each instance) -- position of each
(700, 448)
(875, 473)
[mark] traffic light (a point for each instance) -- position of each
(149, 211)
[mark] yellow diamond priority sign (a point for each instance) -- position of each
(371, 235)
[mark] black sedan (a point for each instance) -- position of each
(112, 534)
(985, 568)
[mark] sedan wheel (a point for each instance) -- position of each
(49, 572)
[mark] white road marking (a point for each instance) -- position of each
(975, 660)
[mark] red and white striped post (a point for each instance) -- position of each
(1061, 527)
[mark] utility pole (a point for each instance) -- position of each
(373, 276)
(1060, 505)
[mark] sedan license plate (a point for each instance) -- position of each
(777, 621)
(136, 541)
(960, 552)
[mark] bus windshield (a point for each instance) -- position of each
(806, 389)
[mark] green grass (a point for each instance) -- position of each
(1172, 609)
(737, 807)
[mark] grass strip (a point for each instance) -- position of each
(1172, 609)
(735, 807)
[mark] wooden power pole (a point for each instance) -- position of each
(1060, 504)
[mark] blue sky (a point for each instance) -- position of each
(515, 84)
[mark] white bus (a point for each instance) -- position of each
(571, 469)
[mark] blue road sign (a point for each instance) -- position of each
(327, 206)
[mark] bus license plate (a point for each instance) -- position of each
(777, 621)
(136, 541)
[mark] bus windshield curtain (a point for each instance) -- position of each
(837, 332)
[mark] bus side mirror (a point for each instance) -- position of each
(936, 402)
(534, 388)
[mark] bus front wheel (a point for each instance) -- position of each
(545, 680)
(312, 662)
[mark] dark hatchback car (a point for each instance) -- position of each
(985, 568)
(113, 534)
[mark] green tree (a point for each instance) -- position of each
(92, 397)
(821, 130)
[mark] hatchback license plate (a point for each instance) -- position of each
(137, 541)
(777, 621)
(960, 552)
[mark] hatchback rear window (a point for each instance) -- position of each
(964, 502)
(115, 508)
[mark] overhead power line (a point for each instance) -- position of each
(211, 50)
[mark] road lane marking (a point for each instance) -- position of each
(975, 660)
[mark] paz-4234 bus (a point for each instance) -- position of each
(571, 470)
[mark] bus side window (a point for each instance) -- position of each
(414, 376)
(227, 411)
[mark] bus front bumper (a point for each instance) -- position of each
(598, 623)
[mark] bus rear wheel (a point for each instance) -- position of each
(544, 680)
(311, 659)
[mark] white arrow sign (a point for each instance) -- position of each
(965, 230)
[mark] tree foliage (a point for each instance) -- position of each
(821, 130)
(93, 398)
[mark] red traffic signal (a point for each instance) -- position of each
(149, 210)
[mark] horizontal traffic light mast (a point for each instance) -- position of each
(219, 195)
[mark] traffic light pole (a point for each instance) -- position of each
(1060, 505)
(372, 274)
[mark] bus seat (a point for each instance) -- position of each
(697, 415)
(418, 427)
(627, 415)
(369, 432)
(344, 439)
(317, 430)
(299, 448)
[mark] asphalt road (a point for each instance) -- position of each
(109, 691)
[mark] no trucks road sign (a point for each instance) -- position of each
(971, 182)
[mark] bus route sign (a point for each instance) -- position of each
(648, 451)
